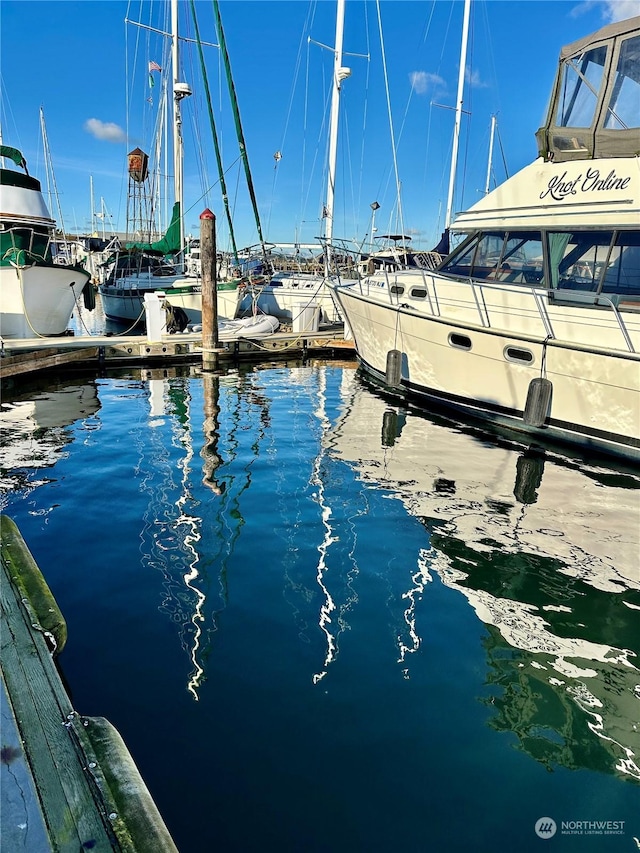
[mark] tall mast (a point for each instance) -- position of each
(180, 91)
(456, 131)
(93, 210)
(339, 74)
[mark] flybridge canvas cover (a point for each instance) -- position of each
(167, 245)
(595, 103)
(13, 154)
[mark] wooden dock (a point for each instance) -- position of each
(67, 782)
(20, 357)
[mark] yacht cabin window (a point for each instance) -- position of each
(622, 110)
(595, 261)
(589, 261)
(514, 258)
(579, 89)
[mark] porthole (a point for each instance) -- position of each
(418, 293)
(460, 341)
(398, 289)
(520, 356)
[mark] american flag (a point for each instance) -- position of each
(153, 66)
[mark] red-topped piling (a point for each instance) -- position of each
(209, 290)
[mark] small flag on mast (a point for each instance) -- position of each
(153, 66)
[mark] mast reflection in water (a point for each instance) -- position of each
(339, 620)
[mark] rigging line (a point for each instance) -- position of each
(412, 88)
(365, 109)
(393, 145)
(49, 168)
(504, 160)
(214, 133)
(236, 115)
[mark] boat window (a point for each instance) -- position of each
(578, 260)
(581, 80)
(523, 356)
(460, 341)
(418, 293)
(621, 272)
(397, 289)
(513, 258)
(622, 109)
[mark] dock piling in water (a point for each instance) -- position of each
(209, 290)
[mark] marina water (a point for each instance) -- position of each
(322, 623)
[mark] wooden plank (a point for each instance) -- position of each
(42, 709)
(88, 789)
(15, 365)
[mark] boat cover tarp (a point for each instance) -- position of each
(13, 154)
(167, 245)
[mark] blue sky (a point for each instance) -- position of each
(87, 70)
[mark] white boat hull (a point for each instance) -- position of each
(38, 301)
(595, 388)
(289, 295)
(122, 302)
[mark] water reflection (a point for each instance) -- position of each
(545, 548)
(35, 429)
(189, 534)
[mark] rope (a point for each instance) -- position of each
(214, 133)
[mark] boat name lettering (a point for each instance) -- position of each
(559, 187)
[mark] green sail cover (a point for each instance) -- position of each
(13, 154)
(167, 245)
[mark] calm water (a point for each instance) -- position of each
(321, 624)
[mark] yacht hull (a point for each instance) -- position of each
(126, 303)
(481, 371)
(38, 300)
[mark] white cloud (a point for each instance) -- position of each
(423, 81)
(106, 130)
(473, 79)
(619, 10)
(612, 10)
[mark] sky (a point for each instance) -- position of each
(80, 66)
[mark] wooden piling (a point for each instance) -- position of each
(209, 290)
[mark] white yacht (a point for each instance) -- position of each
(37, 295)
(533, 319)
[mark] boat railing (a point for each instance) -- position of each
(540, 297)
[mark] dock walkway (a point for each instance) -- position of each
(23, 356)
(67, 782)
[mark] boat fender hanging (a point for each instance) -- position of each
(394, 368)
(538, 405)
(89, 296)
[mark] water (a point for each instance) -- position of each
(322, 624)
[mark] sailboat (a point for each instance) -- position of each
(37, 295)
(532, 321)
(166, 264)
(290, 294)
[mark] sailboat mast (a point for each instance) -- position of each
(339, 74)
(456, 131)
(180, 90)
(93, 210)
